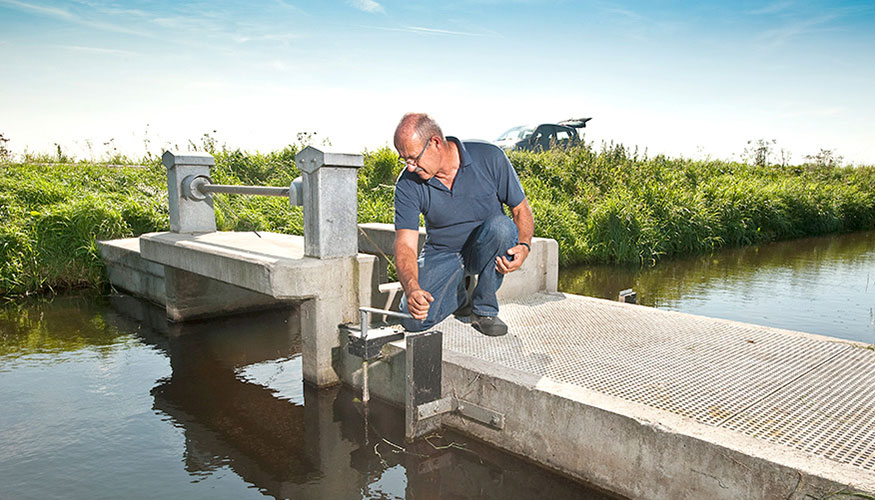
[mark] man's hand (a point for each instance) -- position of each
(418, 302)
(519, 254)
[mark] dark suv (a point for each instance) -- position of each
(542, 137)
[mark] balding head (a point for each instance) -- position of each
(417, 126)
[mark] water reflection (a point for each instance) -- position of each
(67, 324)
(236, 392)
(816, 285)
(104, 398)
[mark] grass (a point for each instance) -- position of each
(603, 205)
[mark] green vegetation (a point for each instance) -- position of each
(612, 206)
(51, 216)
(607, 205)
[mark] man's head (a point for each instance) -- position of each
(415, 135)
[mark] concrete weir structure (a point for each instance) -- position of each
(640, 402)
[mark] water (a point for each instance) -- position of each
(101, 398)
(97, 403)
(823, 285)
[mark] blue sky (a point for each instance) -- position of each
(688, 78)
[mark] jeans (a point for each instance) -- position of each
(442, 273)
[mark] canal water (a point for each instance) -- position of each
(822, 285)
(101, 398)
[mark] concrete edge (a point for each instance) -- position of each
(785, 469)
(772, 329)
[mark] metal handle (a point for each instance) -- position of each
(196, 187)
(364, 311)
(249, 190)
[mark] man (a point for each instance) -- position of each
(459, 187)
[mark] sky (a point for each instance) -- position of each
(696, 79)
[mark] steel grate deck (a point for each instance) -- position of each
(787, 388)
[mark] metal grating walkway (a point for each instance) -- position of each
(784, 387)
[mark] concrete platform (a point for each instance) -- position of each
(268, 263)
(211, 274)
(657, 404)
(221, 273)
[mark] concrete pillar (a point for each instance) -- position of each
(330, 202)
(320, 337)
(187, 215)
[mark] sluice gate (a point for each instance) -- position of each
(646, 403)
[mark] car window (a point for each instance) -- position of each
(516, 133)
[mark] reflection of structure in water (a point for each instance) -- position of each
(320, 449)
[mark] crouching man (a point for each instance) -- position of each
(460, 189)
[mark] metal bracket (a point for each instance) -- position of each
(450, 404)
(191, 187)
(366, 343)
(435, 408)
(370, 347)
(296, 192)
(480, 414)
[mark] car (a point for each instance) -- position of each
(542, 137)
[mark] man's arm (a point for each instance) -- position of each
(418, 300)
(525, 223)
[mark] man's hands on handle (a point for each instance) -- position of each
(406, 246)
(418, 303)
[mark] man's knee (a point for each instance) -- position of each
(500, 228)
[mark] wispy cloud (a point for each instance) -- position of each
(282, 38)
(97, 50)
(65, 15)
(189, 22)
(431, 31)
(366, 5)
(286, 5)
(772, 8)
(633, 25)
(623, 12)
(39, 9)
(781, 35)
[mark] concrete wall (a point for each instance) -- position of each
(221, 274)
(540, 271)
(127, 271)
(623, 447)
(632, 449)
(186, 296)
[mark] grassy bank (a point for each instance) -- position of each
(602, 205)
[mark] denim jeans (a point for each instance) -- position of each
(442, 273)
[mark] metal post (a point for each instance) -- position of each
(330, 202)
(188, 215)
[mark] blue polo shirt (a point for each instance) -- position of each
(484, 181)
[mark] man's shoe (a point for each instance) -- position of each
(465, 310)
(489, 325)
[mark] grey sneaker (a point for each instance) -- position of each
(488, 325)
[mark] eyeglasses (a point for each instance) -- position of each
(406, 162)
